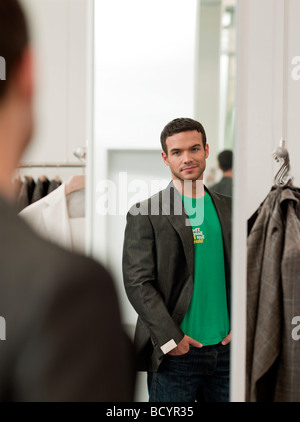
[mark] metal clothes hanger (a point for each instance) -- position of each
(77, 182)
(281, 155)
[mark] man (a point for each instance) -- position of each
(61, 335)
(224, 186)
(176, 267)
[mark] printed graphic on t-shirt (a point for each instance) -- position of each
(198, 235)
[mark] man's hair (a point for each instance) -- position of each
(183, 124)
(14, 37)
(225, 159)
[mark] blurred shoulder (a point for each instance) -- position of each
(221, 199)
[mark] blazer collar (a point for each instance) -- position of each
(224, 213)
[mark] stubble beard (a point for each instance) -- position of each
(186, 184)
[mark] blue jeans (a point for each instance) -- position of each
(199, 375)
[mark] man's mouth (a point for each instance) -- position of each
(189, 168)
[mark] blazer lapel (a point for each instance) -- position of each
(223, 212)
(172, 207)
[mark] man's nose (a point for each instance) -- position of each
(187, 157)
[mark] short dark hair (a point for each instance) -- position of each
(182, 124)
(225, 159)
(14, 37)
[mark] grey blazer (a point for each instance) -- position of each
(273, 299)
(64, 338)
(158, 269)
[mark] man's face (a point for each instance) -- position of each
(186, 155)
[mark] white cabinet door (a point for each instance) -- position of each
(60, 31)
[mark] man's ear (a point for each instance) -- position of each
(165, 158)
(206, 151)
(25, 75)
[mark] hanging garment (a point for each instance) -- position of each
(26, 192)
(41, 189)
(273, 299)
(54, 184)
(55, 217)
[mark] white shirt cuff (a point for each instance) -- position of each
(167, 347)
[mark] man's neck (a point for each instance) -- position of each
(6, 189)
(190, 188)
(227, 173)
(8, 164)
(15, 124)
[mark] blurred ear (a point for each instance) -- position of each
(24, 75)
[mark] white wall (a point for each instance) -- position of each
(293, 75)
(144, 69)
(207, 82)
(268, 118)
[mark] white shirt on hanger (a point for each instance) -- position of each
(59, 218)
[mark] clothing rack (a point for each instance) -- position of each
(79, 152)
(51, 165)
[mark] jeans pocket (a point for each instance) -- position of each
(179, 356)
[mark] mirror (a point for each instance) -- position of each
(154, 61)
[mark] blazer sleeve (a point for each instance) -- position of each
(140, 280)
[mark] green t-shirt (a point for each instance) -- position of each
(207, 319)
